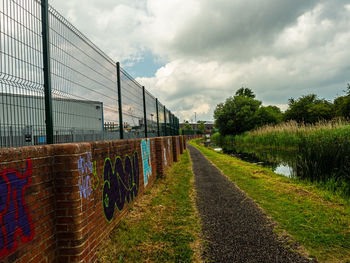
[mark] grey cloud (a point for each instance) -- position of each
(241, 29)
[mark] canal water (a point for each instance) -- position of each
(283, 162)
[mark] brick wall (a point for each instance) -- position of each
(176, 147)
(164, 149)
(58, 202)
(181, 144)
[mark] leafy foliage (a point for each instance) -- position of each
(243, 112)
(187, 127)
(342, 104)
(309, 109)
(269, 115)
(245, 92)
(201, 128)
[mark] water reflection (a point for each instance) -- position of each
(280, 161)
(285, 169)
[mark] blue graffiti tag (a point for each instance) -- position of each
(85, 169)
(121, 183)
(146, 159)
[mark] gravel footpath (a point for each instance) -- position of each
(235, 229)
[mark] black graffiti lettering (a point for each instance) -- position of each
(120, 184)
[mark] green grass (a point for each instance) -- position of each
(317, 219)
(162, 226)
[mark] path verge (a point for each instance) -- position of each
(162, 226)
(235, 228)
(318, 221)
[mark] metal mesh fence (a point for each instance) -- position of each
(84, 84)
(170, 128)
(172, 124)
(151, 115)
(132, 105)
(167, 125)
(161, 119)
(22, 117)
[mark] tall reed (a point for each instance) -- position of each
(323, 149)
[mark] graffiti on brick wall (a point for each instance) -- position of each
(95, 177)
(120, 184)
(165, 160)
(15, 219)
(88, 180)
(85, 170)
(146, 159)
(167, 152)
(169, 147)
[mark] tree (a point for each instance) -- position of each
(245, 92)
(309, 109)
(342, 104)
(201, 128)
(269, 115)
(237, 114)
(187, 127)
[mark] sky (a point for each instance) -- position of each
(193, 54)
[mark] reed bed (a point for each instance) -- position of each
(323, 149)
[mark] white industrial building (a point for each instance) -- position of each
(22, 120)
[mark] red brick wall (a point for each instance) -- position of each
(181, 144)
(64, 194)
(94, 211)
(164, 149)
(176, 148)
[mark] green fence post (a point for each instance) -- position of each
(144, 109)
(158, 131)
(165, 128)
(177, 126)
(121, 124)
(169, 121)
(47, 70)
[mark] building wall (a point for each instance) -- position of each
(58, 202)
(32, 111)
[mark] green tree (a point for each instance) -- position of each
(237, 114)
(201, 128)
(269, 115)
(187, 127)
(342, 104)
(245, 92)
(309, 109)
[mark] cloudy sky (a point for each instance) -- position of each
(193, 54)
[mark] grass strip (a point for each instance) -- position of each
(316, 218)
(162, 226)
